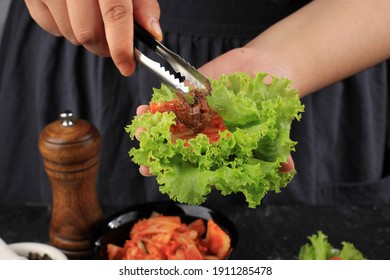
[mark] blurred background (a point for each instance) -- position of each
(4, 4)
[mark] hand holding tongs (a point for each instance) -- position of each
(186, 75)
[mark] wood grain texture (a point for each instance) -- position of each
(71, 160)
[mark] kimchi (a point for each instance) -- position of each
(167, 238)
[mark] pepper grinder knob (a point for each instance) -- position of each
(67, 118)
(70, 151)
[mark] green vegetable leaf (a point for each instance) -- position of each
(319, 248)
(245, 159)
(349, 252)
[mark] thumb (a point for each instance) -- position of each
(147, 14)
(230, 62)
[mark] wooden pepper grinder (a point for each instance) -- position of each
(70, 151)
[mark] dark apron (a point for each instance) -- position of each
(343, 147)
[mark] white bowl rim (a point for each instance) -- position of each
(24, 248)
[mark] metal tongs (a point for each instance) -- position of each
(186, 76)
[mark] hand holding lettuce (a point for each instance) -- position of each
(247, 156)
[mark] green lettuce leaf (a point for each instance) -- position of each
(319, 248)
(246, 158)
(349, 252)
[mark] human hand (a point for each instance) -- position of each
(246, 60)
(104, 27)
(144, 170)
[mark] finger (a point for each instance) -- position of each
(60, 14)
(87, 25)
(145, 171)
(147, 14)
(42, 16)
(267, 80)
(142, 109)
(138, 131)
(287, 167)
(118, 24)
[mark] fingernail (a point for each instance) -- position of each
(156, 29)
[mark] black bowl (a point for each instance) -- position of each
(116, 228)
